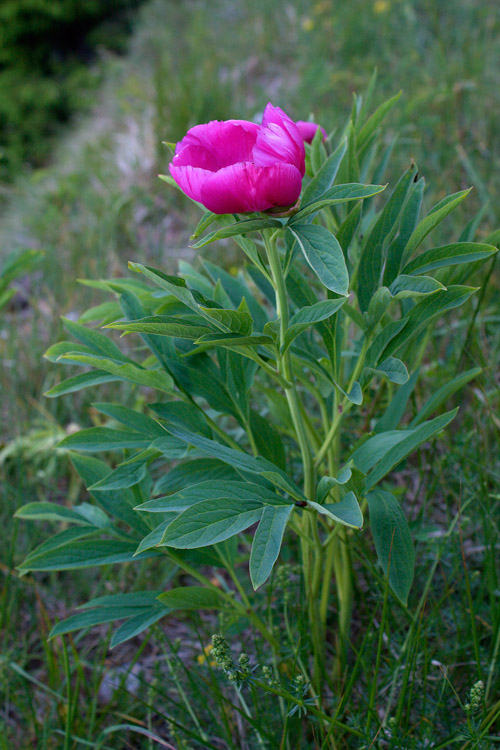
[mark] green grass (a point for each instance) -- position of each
(98, 205)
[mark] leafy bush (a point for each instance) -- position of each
(279, 397)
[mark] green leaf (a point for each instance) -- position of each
(175, 286)
(435, 216)
(83, 554)
(369, 128)
(233, 340)
(154, 537)
(426, 310)
(324, 179)
(96, 341)
(207, 383)
(393, 369)
(347, 229)
(212, 489)
(354, 191)
(192, 473)
(407, 224)
(125, 475)
(382, 339)
(324, 255)
(77, 382)
(193, 598)
(310, 315)
(238, 459)
(449, 255)
(131, 418)
(347, 511)
(241, 227)
(407, 445)
(267, 543)
(326, 484)
(233, 320)
(95, 439)
(137, 624)
(207, 522)
(373, 254)
(45, 511)
(163, 325)
(392, 541)
(90, 618)
(414, 286)
(268, 439)
(444, 393)
(128, 372)
(104, 313)
(183, 414)
(394, 413)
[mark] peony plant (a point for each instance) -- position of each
(248, 435)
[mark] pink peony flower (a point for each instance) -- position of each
(237, 166)
(308, 130)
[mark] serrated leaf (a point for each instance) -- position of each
(324, 254)
(392, 541)
(267, 543)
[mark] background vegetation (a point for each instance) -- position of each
(96, 203)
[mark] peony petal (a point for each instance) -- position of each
(190, 179)
(244, 187)
(308, 130)
(279, 140)
(215, 144)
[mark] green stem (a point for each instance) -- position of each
(285, 369)
(345, 405)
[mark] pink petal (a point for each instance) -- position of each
(215, 144)
(279, 140)
(308, 130)
(242, 188)
(190, 179)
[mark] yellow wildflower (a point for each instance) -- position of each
(381, 6)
